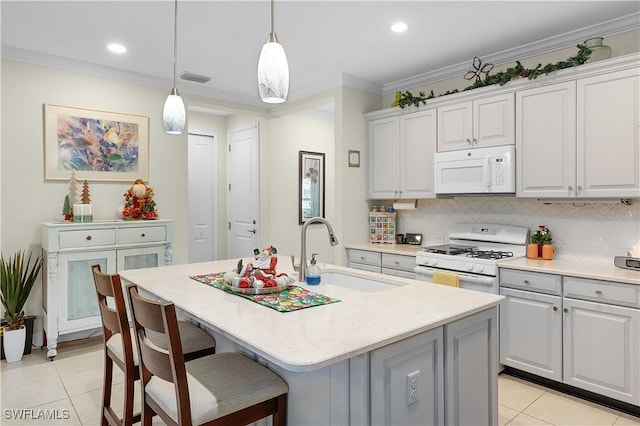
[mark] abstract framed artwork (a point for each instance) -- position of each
(96, 145)
(311, 190)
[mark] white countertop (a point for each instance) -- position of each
(593, 269)
(315, 337)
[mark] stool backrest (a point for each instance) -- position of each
(167, 364)
(114, 319)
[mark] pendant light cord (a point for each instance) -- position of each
(272, 2)
(175, 42)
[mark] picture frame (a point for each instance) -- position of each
(97, 145)
(354, 158)
(311, 185)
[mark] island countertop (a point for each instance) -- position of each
(311, 338)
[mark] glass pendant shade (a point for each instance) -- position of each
(173, 114)
(273, 72)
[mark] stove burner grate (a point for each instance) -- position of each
(489, 254)
(451, 250)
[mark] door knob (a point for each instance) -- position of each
(253, 231)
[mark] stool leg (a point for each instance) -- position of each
(106, 389)
(127, 414)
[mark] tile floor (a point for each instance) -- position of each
(68, 391)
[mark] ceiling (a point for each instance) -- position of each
(328, 43)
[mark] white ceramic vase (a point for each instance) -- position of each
(13, 342)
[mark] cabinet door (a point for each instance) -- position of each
(531, 333)
(494, 121)
(602, 349)
(407, 382)
(455, 127)
(546, 141)
(147, 257)
(384, 140)
(78, 303)
(471, 370)
(417, 146)
(608, 146)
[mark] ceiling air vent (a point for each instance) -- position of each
(189, 76)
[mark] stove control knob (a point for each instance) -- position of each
(434, 262)
(480, 268)
(469, 267)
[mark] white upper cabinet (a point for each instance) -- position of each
(608, 149)
(546, 141)
(579, 139)
(401, 152)
(477, 123)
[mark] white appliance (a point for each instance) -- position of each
(472, 253)
(476, 171)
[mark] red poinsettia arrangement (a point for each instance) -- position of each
(139, 203)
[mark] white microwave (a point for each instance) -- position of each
(476, 171)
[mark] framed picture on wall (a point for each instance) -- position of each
(311, 193)
(97, 145)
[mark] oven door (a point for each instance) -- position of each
(481, 283)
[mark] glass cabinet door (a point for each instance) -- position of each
(148, 257)
(79, 308)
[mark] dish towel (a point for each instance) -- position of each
(446, 278)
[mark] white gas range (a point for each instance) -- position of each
(472, 253)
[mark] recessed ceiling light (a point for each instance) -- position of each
(399, 27)
(116, 48)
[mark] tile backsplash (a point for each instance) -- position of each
(596, 231)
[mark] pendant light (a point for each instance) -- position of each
(273, 69)
(173, 114)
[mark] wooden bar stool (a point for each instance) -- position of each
(119, 345)
(221, 389)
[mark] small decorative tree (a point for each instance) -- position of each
(86, 195)
(73, 189)
(66, 208)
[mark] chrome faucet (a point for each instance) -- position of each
(333, 240)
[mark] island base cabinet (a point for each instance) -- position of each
(407, 383)
(471, 370)
(602, 349)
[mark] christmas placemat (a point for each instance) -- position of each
(293, 298)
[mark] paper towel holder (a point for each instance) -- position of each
(405, 205)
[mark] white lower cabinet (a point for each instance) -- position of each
(70, 306)
(531, 332)
(398, 265)
(586, 335)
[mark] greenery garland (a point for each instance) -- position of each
(503, 77)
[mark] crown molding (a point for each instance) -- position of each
(551, 44)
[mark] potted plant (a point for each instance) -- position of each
(17, 278)
(539, 239)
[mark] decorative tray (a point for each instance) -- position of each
(253, 290)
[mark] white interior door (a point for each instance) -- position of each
(243, 170)
(203, 162)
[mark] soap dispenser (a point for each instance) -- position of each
(313, 271)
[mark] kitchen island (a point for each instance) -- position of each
(391, 351)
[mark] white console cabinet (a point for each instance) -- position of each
(69, 297)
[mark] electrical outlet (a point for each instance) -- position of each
(439, 239)
(413, 387)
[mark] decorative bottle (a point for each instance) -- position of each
(313, 272)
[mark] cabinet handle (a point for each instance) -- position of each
(579, 187)
(475, 141)
(566, 310)
(143, 235)
(526, 282)
(361, 257)
(555, 308)
(396, 262)
(570, 188)
(469, 141)
(89, 237)
(599, 292)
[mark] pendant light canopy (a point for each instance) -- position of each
(173, 114)
(273, 69)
